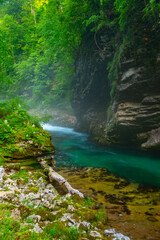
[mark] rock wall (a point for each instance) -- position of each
(136, 105)
(133, 115)
(91, 95)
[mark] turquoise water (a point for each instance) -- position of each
(75, 149)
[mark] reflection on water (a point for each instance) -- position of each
(75, 149)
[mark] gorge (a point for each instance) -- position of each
(131, 116)
(79, 119)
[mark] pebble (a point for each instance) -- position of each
(95, 234)
(71, 209)
(120, 236)
(16, 214)
(109, 232)
(37, 229)
(35, 218)
(117, 236)
(85, 225)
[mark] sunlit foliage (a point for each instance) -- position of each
(40, 40)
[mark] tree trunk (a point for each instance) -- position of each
(58, 179)
(33, 12)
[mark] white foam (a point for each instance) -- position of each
(64, 130)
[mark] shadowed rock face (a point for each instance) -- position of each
(135, 108)
(91, 86)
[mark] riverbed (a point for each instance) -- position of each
(124, 182)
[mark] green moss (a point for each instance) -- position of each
(77, 199)
(64, 204)
(46, 170)
(101, 216)
(17, 192)
(46, 215)
(33, 189)
(20, 134)
(24, 211)
(9, 227)
(88, 202)
(60, 231)
(38, 175)
(7, 206)
(21, 174)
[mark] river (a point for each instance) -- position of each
(76, 149)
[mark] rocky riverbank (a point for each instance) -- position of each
(132, 209)
(30, 207)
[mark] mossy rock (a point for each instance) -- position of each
(46, 170)
(25, 235)
(94, 216)
(88, 215)
(64, 204)
(38, 175)
(6, 206)
(25, 149)
(21, 182)
(33, 189)
(46, 215)
(12, 166)
(60, 231)
(77, 199)
(24, 211)
(17, 192)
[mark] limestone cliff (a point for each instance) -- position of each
(136, 105)
(132, 114)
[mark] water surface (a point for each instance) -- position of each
(75, 149)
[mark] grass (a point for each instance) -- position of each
(21, 174)
(11, 229)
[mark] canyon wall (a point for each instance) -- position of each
(129, 114)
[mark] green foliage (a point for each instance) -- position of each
(39, 42)
(105, 18)
(41, 48)
(88, 202)
(101, 216)
(21, 174)
(8, 225)
(17, 128)
(58, 230)
(12, 119)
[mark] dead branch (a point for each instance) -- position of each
(58, 179)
